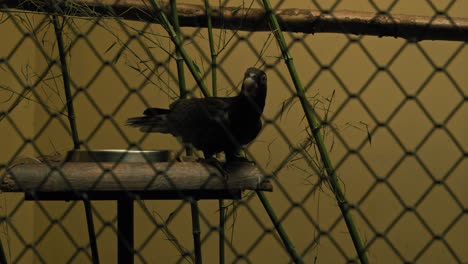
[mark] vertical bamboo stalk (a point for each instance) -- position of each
(91, 231)
(66, 82)
(315, 128)
(183, 94)
(213, 52)
(214, 92)
(74, 131)
(179, 60)
(196, 230)
(161, 16)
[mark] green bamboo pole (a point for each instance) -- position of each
(279, 228)
(213, 52)
(66, 82)
(183, 94)
(196, 231)
(161, 16)
(315, 128)
(74, 131)
(214, 92)
(179, 59)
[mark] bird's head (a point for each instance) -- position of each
(255, 83)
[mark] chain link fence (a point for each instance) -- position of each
(363, 140)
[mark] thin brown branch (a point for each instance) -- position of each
(410, 27)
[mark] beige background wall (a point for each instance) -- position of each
(30, 222)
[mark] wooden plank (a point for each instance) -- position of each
(141, 195)
(108, 176)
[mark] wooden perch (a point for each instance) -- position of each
(414, 28)
(133, 177)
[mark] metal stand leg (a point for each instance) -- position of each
(125, 230)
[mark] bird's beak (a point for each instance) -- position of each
(250, 85)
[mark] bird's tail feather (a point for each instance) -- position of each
(154, 120)
(156, 111)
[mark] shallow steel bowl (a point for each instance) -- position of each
(117, 155)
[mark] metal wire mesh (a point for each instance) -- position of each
(392, 113)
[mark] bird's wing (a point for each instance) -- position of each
(200, 111)
(200, 121)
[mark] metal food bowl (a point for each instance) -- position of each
(117, 155)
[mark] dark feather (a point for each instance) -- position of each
(156, 111)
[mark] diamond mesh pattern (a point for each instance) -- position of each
(393, 115)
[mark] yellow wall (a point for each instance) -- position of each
(409, 180)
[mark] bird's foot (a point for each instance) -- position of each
(217, 164)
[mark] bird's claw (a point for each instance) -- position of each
(217, 164)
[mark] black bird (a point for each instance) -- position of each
(213, 124)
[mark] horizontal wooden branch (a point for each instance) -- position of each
(134, 177)
(414, 28)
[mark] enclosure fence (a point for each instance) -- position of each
(362, 156)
